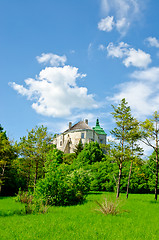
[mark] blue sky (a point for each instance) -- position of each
(65, 61)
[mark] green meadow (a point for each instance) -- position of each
(138, 220)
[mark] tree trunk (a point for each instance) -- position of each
(36, 174)
(118, 186)
(1, 176)
(127, 192)
(120, 169)
(28, 176)
(156, 183)
(28, 180)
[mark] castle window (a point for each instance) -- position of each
(60, 143)
(82, 135)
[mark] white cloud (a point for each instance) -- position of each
(55, 92)
(21, 90)
(53, 59)
(110, 138)
(132, 57)
(105, 6)
(117, 51)
(152, 41)
(137, 95)
(147, 149)
(150, 74)
(137, 58)
(106, 24)
(142, 93)
(122, 25)
(122, 8)
(124, 11)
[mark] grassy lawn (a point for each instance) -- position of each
(140, 221)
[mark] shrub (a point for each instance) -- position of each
(68, 158)
(108, 207)
(32, 205)
(24, 197)
(62, 186)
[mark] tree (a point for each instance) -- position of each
(90, 154)
(78, 148)
(6, 154)
(135, 150)
(123, 119)
(150, 131)
(32, 151)
(62, 185)
(150, 171)
(69, 158)
(101, 175)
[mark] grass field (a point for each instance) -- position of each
(140, 221)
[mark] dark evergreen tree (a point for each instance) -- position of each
(7, 154)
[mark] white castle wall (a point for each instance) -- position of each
(66, 142)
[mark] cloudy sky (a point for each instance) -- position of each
(65, 61)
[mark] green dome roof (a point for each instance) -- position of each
(98, 129)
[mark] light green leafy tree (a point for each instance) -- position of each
(32, 151)
(62, 185)
(136, 151)
(150, 131)
(121, 150)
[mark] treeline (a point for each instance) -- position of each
(34, 164)
(23, 171)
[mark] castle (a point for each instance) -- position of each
(67, 140)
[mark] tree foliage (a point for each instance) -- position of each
(102, 178)
(61, 185)
(32, 151)
(7, 153)
(90, 154)
(150, 128)
(124, 133)
(78, 148)
(65, 179)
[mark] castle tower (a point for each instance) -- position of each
(102, 135)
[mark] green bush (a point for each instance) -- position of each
(62, 186)
(32, 204)
(53, 154)
(102, 176)
(68, 158)
(90, 154)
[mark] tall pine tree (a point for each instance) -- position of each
(123, 120)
